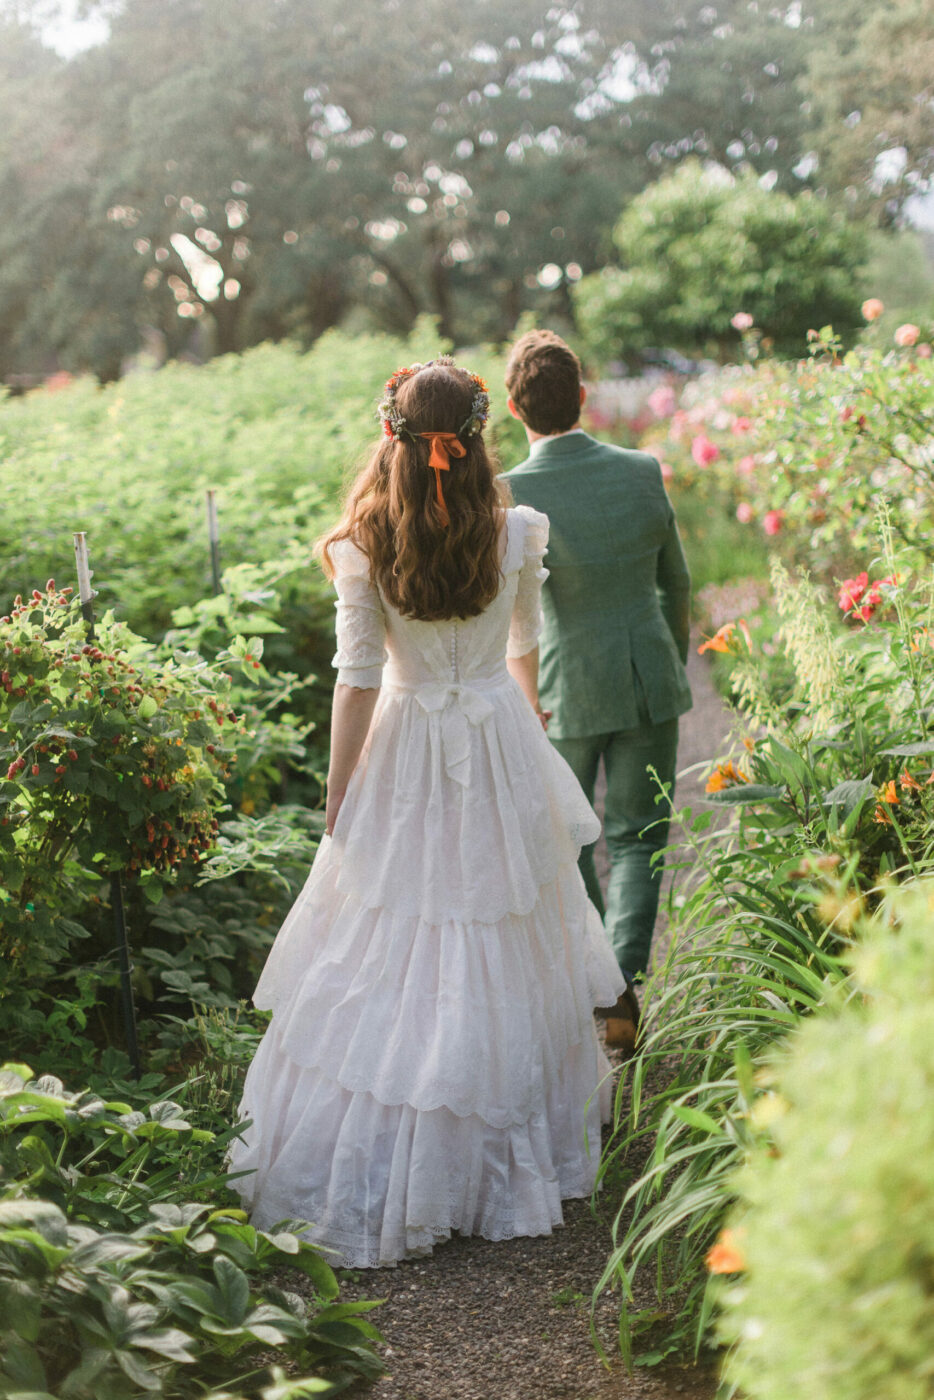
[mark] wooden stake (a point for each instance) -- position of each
(215, 541)
(85, 592)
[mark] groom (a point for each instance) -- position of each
(615, 640)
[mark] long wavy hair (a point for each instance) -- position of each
(424, 568)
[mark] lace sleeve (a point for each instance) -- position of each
(526, 625)
(361, 622)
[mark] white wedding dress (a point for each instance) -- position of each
(432, 1062)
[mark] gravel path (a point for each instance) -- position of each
(510, 1320)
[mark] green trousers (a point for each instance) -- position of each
(634, 826)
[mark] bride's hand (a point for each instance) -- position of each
(332, 808)
(544, 716)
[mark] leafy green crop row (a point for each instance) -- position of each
(125, 1271)
(275, 432)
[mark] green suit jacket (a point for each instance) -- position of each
(616, 601)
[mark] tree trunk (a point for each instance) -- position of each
(439, 280)
(227, 316)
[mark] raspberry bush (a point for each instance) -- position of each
(112, 759)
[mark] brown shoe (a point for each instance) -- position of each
(622, 1022)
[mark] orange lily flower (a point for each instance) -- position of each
(722, 639)
(725, 775)
(726, 1256)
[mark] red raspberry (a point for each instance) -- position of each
(60, 769)
(35, 770)
(73, 755)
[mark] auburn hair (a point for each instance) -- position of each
(424, 568)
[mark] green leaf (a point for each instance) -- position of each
(789, 763)
(849, 795)
(46, 1219)
(745, 795)
(137, 1370)
(21, 1307)
(171, 1343)
(311, 1263)
(22, 1365)
(13, 1077)
(233, 1290)
(696, 1118)
(107, 1250)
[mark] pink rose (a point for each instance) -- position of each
(772, 521)
(746, 466)
(667, 472)
(742, 321)
(907, 335)
(662, 401)
(872, 309)
(744, 512)
(741, 425)
(924, 351)
(704, 451)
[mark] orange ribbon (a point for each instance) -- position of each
(444, 446)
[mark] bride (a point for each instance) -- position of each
(432, 1063)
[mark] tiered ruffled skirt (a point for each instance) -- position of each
(432, 1063)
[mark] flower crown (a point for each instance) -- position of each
(394, 425)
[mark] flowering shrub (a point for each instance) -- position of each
(805, 453)
(846, 763)
(111, 759)
(833, 799)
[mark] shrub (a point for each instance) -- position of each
(750, 956)
(803, 454)
(113, 760)
(114, 1283)
(835, 798)
(836, 1227)
(697, 246)
(845, 765)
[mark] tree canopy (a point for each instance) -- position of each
(700, 246)
(212, 175)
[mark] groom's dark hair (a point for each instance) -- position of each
(543, 376)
